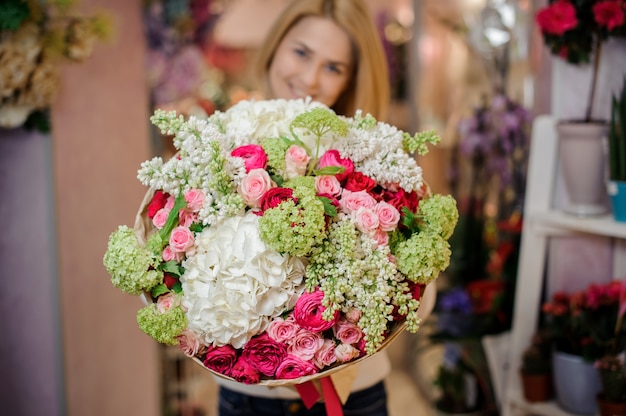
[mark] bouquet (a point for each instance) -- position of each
(282, 242)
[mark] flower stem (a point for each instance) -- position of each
(594, 78)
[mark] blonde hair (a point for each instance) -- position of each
(369, 88)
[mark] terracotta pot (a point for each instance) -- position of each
(608, 408)
(537, 387)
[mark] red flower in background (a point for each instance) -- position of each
(557, 18)
(609, 14)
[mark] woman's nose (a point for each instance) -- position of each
(311, 75)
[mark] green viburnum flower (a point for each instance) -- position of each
(320, 121)
(162, 326)
(422, 257)
(439, 214)
(365, 123)
(167, 122)
(418, 142)
(294, 228)
(276, 149)
(301, 184)
(133, 268)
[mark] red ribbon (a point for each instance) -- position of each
(310, 395)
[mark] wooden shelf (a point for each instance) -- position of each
(521, 406)
(557, 220)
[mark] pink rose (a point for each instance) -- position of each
(296, 160)
(194, 199)
(181, 239)
(160, 218)
(353, 315)
(294, 367)
(308, 312)
(351, 201)
(169, 204)
(388, 216)
(190, 344)
(254, 185)
(243, 372)
(282, 330)
(305, 344)
(332, 158)
(264, 354)
(380, 237)
(327, 184)
(169, 255)
(365, 220)
(273, 197)
(166, 302)
(347, 332)
(359, 182)
(186, 218)
(158, 201)
(253, 155)
(346, 352)
(325, 356)
(220, 359)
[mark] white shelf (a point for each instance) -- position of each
(521, 406)
(557, 220)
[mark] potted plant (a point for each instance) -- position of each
(575, 31)
(457, 383)
(584, 325)
(536, 370)
(617, 154)
(612, 398)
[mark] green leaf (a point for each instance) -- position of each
(12, 14)
(159, 290)
(172, 219)
(329, 208)
(172, 267)
(329, 170)
(196, 227)
(278, 180)
(177, 287)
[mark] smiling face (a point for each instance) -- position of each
(313, 59)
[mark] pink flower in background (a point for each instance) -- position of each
(254, 185)
(194, 199)
(294, 367)
(347, 332)
(160, 218)
(332, 158)
(305, 344)
(244, 372)
(325, 356)
(181, 239)
(220, 359)
(282, 330)
(327, 184)
(253, 155)
(264, 354)
(296, 160)
(308, 312)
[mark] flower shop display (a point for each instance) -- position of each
(585, 326)
(617, 154)
(536, 370)
(282, 243)
(612, 398)
(575, 31)
(35, 38)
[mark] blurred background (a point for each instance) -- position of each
(74, 135)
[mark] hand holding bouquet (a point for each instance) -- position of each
(282, 241)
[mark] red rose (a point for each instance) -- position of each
(274, 196)
(253, 155)
(264, 354)
(609, 13)
(308, 312)
(557, 18)
(169, 280)
(243, 372)
(358, 182)
(332, 158)
(220, 359)
(294, 367)
(158, 201)
(401, 199)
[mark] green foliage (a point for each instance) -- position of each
(12, 14)
(536, 359)
(617, 136)
(320, 121)
(418, 142)
(613, 377)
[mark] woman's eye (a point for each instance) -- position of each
(300, 52)
(333, 68)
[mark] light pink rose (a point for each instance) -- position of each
(365, 219)
(253, 155)
(160, 218)
(294, 367)
(194, 199)
(332, 158)
(282, 330)
(181, 240)
(264, 354)
(353, 315)
(347, 332)
(346, 352)
(305, 344)
(308, 312)
(166, 302)
(351, 201)
(388, 216)
(169, 255)
(190, 344)
(296, 160)
(327, 184)
(325, 356)
(169, 204)
(254, 185)
(380, 237)
(186, 218)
